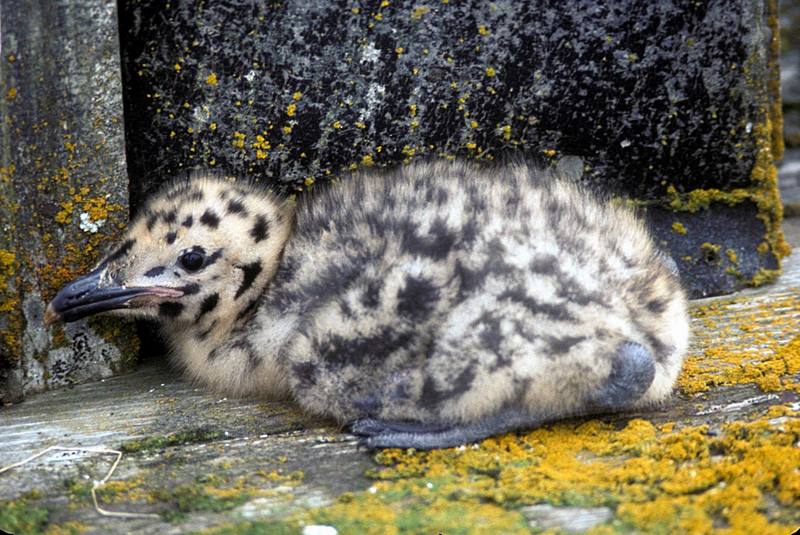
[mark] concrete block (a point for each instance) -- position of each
(63, 187)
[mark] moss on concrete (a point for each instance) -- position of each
(200, 435)
(20, 517)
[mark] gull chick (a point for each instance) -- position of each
(425, 307)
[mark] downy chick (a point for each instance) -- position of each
(429, 306)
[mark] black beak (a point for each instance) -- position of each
(91, 294)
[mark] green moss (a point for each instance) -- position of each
(173, 439)
(197, 498)
(255, 528)
(19, 517)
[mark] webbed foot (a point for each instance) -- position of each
(428, 436)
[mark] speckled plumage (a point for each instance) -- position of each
(431, 305)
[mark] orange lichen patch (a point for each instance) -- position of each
(745, 341)
(656, 478)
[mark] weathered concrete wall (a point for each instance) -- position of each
(672, 104)
(63, 186)
(789, 172)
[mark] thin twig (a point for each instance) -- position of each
(95, 483)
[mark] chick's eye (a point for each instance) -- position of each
(191, 260)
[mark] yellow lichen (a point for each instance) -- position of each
(678, 227)
(291, 109)
(211, 79)
(418, 12)
(238, 140)
(490, 72)
(11, 93)
(725, 357)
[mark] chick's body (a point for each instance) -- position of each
(441, 303)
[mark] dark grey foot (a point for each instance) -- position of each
(387, 434)
(632, 373)
(372, 426)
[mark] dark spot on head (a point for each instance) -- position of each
(121, 251)
(170, 309)
(176, 274)
(154, 272)
(150, 222)
(190, 289)
(250, 271)
(236, 207)
(417, 299)
(170, 216)
(210, 219)
(260, 230)
(213, 257)
(208, 304)
(188, 221)
(657, 306)
(170, 237)
(224, 194)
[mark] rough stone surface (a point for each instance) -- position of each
(651, 95)
(63, 186)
